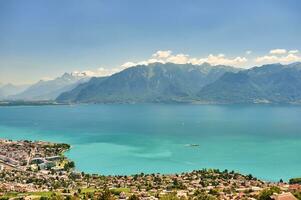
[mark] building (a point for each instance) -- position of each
(284, 196)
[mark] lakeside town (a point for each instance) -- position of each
(39, 170)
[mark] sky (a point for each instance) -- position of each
(44, 39)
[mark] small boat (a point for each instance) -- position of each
(192, 145)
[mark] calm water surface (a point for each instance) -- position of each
(128, 139)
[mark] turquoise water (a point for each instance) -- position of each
(126, 139)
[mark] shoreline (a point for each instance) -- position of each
(153, 172)
(55, 166)
(11, 103)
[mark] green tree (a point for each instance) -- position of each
(295, 181)
(133, 197)
(267, 193)
(213, 192)
(106, 195)
(69, 165)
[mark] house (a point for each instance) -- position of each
(46, 165)
(37, 161)
(284, 196)
(54, 158)
(295, 188)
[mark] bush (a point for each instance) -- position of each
(267, 193)
(106, 195)
(69, 165)
(133, 197)
(295, 181)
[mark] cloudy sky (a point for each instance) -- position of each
(43, 39)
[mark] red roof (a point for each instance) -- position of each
(284, 196)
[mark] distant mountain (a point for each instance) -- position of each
(274, 83)
(51, 89)
(7, 90)
(148, 83)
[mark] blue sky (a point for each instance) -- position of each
(47, 38)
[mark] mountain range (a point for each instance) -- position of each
(170, 83)
(187, 83)
(155, 82)
(9, 89)
(274, 83)
(51, 89)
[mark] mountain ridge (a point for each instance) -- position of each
(50, 89)
(9, 89)
(174, 83)
(187, 83)
(272, 83)
(155, 82)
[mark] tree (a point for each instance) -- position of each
(267, 193)
(133, 197)
(201, 195)
(250, 176)
(69, 165)
(213, 192)
(106, 195)
(295, 181)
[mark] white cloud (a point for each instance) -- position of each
(221, 59)
(293, 51)
(278, 51)
(278, 59)
(99, 72)
(162, 54)
(279, 56)
(83, 73)
(178, 59)
(46, 78)
(274, 56)
(167, 56)
(128, 64)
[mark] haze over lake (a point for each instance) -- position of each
(263, 140)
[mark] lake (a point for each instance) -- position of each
(263, 140)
